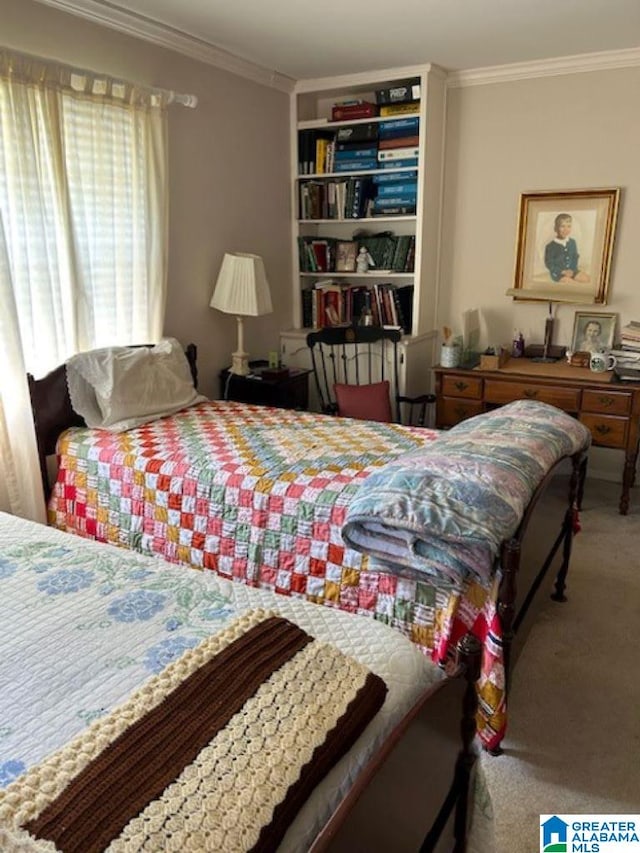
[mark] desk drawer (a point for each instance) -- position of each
(607, 402)
(462, 386)
(451, 411)
(505, 392)
(605, 430)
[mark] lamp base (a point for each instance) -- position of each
(240, 364)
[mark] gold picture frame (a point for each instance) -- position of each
(565, 245)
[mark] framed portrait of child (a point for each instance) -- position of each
(564, 245)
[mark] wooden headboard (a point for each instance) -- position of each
(52, 411)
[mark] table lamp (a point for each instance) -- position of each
(241, 289)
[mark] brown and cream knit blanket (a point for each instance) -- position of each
(217, 752)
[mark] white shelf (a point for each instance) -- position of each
(324, 123)
(316, 175)
(398, 218)
(370, 274)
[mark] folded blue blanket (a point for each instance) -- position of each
(444, 510)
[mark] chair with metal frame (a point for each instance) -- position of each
(356, 371)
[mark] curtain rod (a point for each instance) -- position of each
(172, 97)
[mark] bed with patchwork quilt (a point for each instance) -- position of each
(265, 496)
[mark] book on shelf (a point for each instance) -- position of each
(399, 109)
(398, 127)
(354, 165)
(357, 133)
(355, 153)
(408, 197)
(312, 145)
(400, 210)
(397, 188)
(399, 177)
(404, 153)
(345, 111)
(401, 163)
(330, 303)
(398, 142)
(400, 92)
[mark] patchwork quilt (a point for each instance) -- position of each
(261, 495)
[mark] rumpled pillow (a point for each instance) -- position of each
(117, 388)
(364, 402)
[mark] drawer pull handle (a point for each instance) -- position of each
(530, 393)
(606, 401)
(460, 412)
(462, 386)
(602, 429)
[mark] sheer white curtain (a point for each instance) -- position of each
(20, 484)
(83, 199)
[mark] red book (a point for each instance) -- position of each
(353, 111)
(398, 142)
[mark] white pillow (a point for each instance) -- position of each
(117, 388)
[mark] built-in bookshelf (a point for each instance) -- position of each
(367, 170)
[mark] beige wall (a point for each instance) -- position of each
(564, 132)
(229, 172)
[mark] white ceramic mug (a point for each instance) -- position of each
(600, 362)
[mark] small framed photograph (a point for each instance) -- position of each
(564, 245)
(593, 332)
(346, 255)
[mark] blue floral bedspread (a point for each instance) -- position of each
(445, 509)
(85, 624)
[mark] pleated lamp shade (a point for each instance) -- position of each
(242, 289)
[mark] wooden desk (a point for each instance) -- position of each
(610, 409)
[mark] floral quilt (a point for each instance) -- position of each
(91, 629)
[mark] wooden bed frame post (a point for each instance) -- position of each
(509, 565)
(576, 491)
(468, 660)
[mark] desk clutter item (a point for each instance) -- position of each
(494, 360)
(450, 355)
(579, 359)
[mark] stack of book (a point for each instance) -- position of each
(354, 109)
(628, 355)
(397, 148)
(334, 303)
(356, 148)
(630, 337)
(351, 198)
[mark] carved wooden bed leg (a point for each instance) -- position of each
(469, 654)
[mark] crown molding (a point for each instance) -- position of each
(603, 61)
(109, 15)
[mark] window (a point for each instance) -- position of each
(83, 204)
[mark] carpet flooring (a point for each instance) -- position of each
(573, 744)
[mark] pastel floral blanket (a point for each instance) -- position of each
(445, 509)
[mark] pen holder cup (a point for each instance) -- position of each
(450, 355)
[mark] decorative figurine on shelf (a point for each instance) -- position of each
(364, 260)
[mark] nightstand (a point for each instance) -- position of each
(290, 391)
